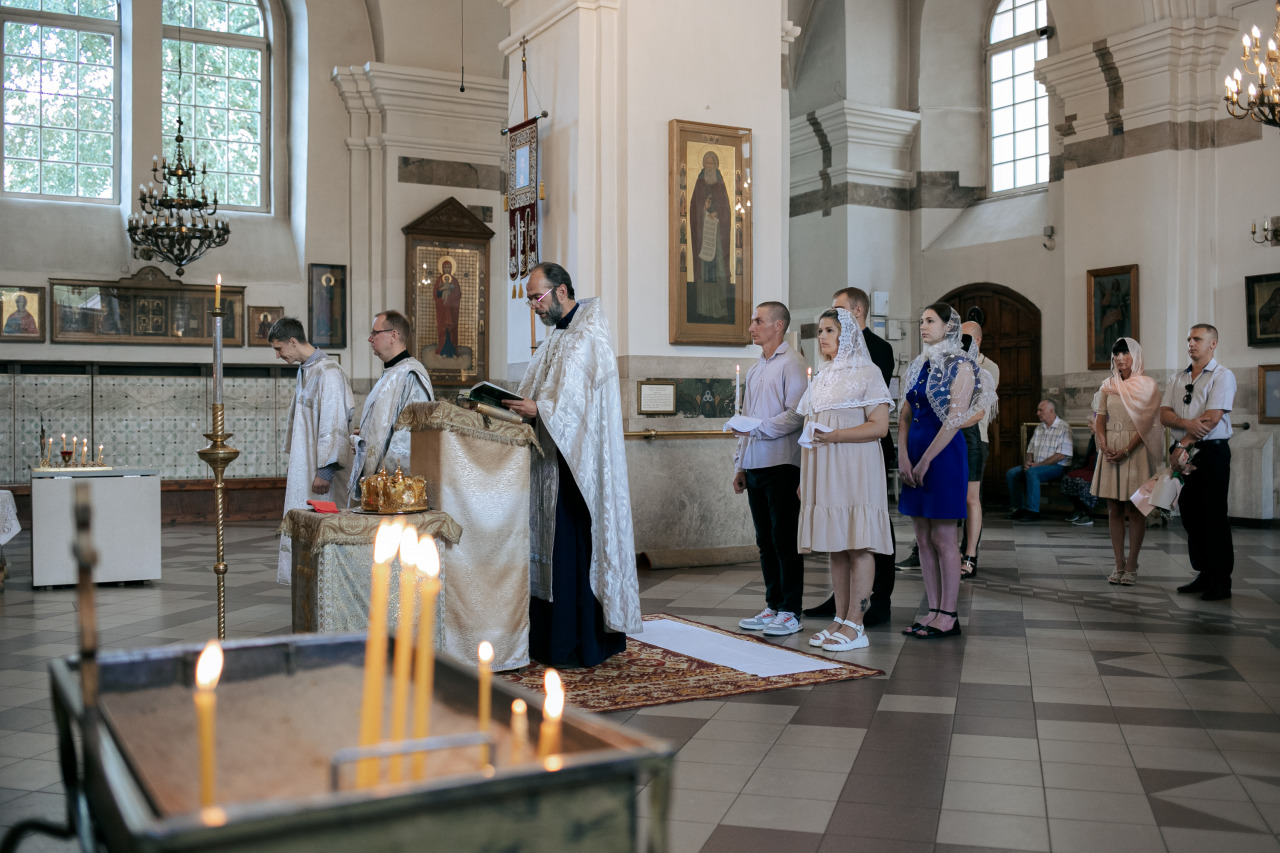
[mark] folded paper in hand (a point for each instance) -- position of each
(741, 423)
(811, 428)
(1160, 492)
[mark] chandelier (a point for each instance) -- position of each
(1263, 100)
(178, 223)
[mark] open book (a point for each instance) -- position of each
(487, 392)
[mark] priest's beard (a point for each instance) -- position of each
(555, 310)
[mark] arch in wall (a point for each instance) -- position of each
(1010, 338)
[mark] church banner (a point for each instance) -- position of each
(522, 198)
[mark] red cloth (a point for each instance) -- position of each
(323, 506)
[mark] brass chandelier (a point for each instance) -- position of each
(1262, 99)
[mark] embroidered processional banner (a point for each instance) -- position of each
(522, 197)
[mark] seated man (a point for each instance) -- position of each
(1048, 457)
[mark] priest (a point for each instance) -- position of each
(404, 380)
(319, 423)
(585, 596)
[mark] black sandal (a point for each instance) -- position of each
(970, 563)
(932, 633)
(916, 626)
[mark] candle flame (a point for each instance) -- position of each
(519, 707)
(219, 281)
(485, 651)
(428, 557)
(388, 539)
(554, 706)
(209, 666)
(552, 763)
(408, 548)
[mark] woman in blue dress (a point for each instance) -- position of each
(945, 388)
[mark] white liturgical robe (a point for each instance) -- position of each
(378, 443)
(319, 423)
(573, 377)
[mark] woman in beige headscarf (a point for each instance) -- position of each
(1127, 430)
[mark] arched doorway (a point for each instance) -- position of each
(1010, 338)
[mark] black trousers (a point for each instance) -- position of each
(882, 587)
(1203, 505)
(775, 512)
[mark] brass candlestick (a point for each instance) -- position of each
(218, 455)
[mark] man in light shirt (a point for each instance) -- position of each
(767, 467)
(1048, 456)
(1197, 410)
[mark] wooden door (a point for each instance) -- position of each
(1010, 338)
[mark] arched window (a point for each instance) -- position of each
(1019, 104)
(61, 98)
(216, 62)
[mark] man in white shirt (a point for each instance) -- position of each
(1197, 410)
(1048, 456)
(767, 467)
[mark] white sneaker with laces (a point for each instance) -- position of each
(783, 624)
(759, 621)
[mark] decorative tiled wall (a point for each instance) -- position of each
(148, 421)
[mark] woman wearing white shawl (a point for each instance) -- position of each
(1130, 444)
(945, 389)
(844, 507)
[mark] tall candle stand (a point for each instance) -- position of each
(218, 455)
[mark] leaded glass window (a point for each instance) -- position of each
(215, 79)
(1019, 104)
(60, 91)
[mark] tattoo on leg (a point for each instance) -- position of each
(864, 604)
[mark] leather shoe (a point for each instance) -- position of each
(1215, 594)
(1017, 514)
(875, 616)
(826, 608)
(1196, 585)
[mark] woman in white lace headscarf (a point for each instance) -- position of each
(945, 389)
(1130, 445)
(844, 507)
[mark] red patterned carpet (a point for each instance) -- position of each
(647, 675)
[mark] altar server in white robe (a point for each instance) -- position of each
(585, 596)
(404, 380)
(319, 423)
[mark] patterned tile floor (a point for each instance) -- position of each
(1071, 715)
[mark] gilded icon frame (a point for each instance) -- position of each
(1112, 311)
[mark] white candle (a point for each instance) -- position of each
(737, 388)
(810, 372)
(217, 341)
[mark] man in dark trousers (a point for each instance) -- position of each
(855, 301)
(1197, 410)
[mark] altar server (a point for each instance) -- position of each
(585, 596)
(404, 380)
(319, 423)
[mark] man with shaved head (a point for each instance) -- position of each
(767, 467)
(1197, 410)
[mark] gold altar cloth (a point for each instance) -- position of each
(332, 559)
(477, 470)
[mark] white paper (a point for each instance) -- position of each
(759, 659)
(741, 423)
(806, 435)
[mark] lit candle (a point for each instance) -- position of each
(99, 454)
(217, 293)
(552, 708)
(810, 372)
(64, 441)
(519, 731)
(217, 341)
(424, 662)
(375, 649)
(208, 670)
(737, 388)
(403, 654)
(84, 452)
(484, 653)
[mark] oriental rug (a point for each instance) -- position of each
(646, 675)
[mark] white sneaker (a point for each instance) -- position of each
(783, 624)
(759, 621)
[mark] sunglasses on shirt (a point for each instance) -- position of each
(1187, 399)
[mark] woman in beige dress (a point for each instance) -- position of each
(844, 505)
(1127, 431)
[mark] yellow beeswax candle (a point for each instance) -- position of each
(424, 659)
(519, 731)
(375, 649)
(208, 670)
(402, 657)
(484, 656)
(552, 708)
(217, 293)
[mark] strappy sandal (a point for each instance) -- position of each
(1128, 578)
(916, 626)
(819, 638)
(1116, 577)
(932, 633)
(838, 642)
(969, 566)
